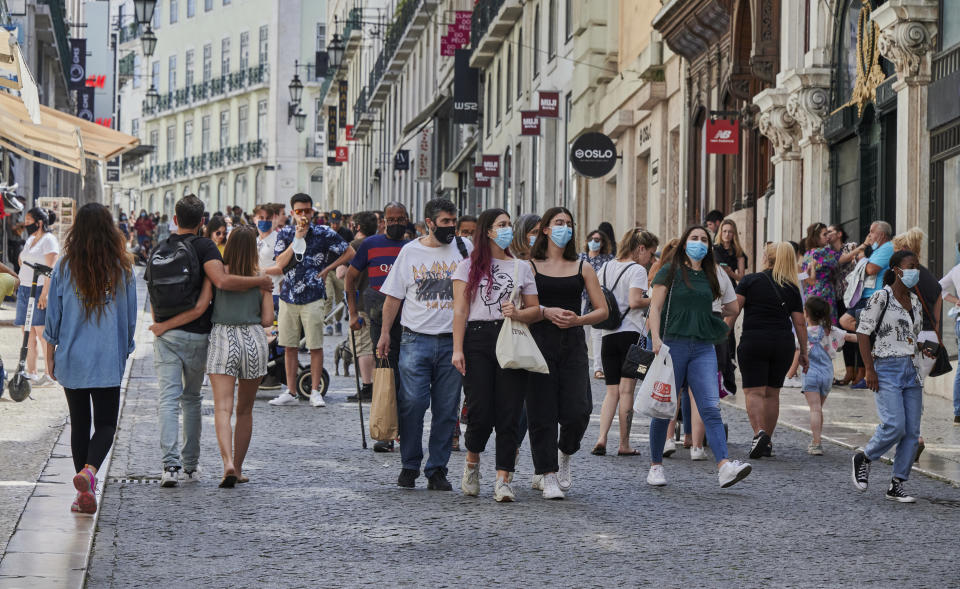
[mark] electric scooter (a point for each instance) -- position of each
(19, 386)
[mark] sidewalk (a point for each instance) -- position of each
(850, 418)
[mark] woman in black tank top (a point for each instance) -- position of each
(560, 400)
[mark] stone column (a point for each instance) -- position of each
(782, 130)
(809, 104)
(907, 30)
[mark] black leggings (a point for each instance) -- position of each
(106, 407)
(494, 396)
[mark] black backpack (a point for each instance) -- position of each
(174, 277)
(614, 317)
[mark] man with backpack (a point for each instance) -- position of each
(420, 279)
(177, 272)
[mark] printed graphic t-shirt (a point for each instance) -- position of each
(422, 277)
(486, 302)
(375, 257)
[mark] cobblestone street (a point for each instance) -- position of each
(319, 511)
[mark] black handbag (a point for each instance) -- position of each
(638, 359)
(941, 365)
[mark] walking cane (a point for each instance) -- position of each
(356, 374)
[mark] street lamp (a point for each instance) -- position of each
(300, 120)
(296, 88)
(149, 40)
(153, 97)
(335, 51)
(144, 10)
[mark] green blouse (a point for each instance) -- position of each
(691, 308)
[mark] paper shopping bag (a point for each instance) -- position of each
(384, 423)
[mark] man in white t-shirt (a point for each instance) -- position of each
(421, 280)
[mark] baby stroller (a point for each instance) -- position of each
(277, 373)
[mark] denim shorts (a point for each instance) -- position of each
(818, 379)
(39, 315)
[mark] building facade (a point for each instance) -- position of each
(222, 128)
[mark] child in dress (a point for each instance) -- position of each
(824, 339)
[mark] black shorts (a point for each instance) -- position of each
(765, 358)
(613, 351)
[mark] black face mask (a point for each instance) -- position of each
(396, 232)
(444, 234)
(32, 228)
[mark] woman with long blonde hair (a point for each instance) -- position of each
(89, 330)
(772, 313)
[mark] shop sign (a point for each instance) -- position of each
(343, 154)
(349, 133)
(530, 122)
(342, 119)
(447, 47)
(423, 156)
(85, 104)
(479, 179)
(593, 155)
(466, 90)
(491, 166)
(401, 161)
(78, 63)
(549, 105)
(463, 20)
(332, 126)
(723, 136)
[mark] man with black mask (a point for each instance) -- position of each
(367, 273)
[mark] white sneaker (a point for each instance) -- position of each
(656, 478)
(733, 472)
(792, 383)
(191, 476)
(537, 483)
(669, 447)
(503, 493)
(42, 381)
(697, 453)
(316, 399)
(551, 488)
(470, 482)
(563, 475)
(170, 477)
(284, 399)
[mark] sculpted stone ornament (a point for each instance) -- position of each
(809, 107)
(782, 130)
(905, 44)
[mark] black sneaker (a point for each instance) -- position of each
(768, 451)
(383, 446)
(861, 471)
(408, 478)
(895, 492)
(438, 482)
(366, 394)
(759, 446)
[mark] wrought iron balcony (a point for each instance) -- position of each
(130, 32)
(491, 23)
(409, 21)
(195, 94)
(204, 163)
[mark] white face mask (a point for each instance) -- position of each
(299, 246)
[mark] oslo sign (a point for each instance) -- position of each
(723, 136)
(593, 155)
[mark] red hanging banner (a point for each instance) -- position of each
(343, 154)
(530, 122)
(549, 105)
(723, 136)
(349, 133)
(479, 180)
(491, 166)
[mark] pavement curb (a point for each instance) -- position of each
(803, 430)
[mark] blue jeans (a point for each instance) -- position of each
(180, 358)
(428, 379)
(899, 406)
(956, 378)
(694, 363)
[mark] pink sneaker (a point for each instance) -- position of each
(75, 507)
(85, 482)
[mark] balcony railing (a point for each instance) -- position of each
(391, 40)
(198, 93)
(491, 22)
(126, 65)
(203, 163)
(58, 16)
(130, 32)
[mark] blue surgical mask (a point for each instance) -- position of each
(264, 226)
(696, 250)
(561, 235)
(910, 278)
(594, 245)
(533, 239)
(504, 237)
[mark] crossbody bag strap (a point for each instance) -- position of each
(776, 291)
(515, 295)
(663, 329)
(927, 311)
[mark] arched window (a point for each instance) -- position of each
(489, 104)
(240, 191)
(536, 42)
(508, 97)
(222, 195)
(506, 177)
(316, 183)
(498, 91)
(520, 62)
(260, 187)
(552, 30)
(167, 203)
(847, 52)
(203, 193)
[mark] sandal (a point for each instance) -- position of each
(598, 374)
(599, 450)
(242, 479)
(633, 452)
(229, 481)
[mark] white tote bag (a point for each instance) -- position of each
(656, 397)
(516, 348)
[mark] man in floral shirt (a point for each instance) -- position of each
(306, 252)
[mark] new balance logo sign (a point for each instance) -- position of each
(723, 134)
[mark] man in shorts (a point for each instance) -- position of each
(366, 225)
(303, 251)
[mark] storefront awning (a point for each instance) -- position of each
(65, 139)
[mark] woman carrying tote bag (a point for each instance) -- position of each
(690, 332)
(483, 286)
